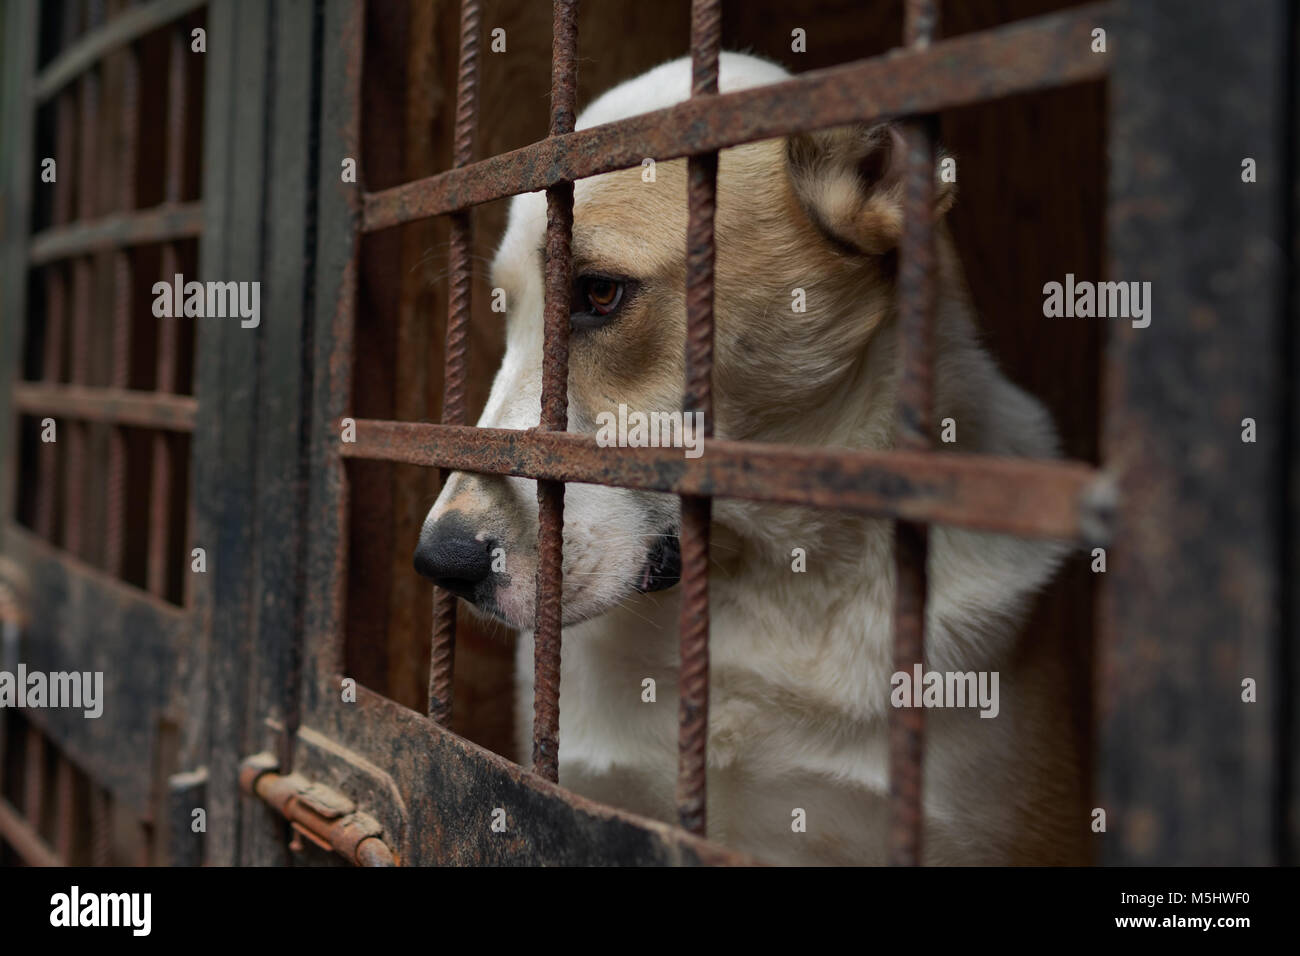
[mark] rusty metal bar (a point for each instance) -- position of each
(25, 839)
(338, 272)
(56, 299)
(555, 403)
(177, 90)
(101, 826)
(1032, 54)
(83, 305)
(146, 849)
(161, 471)
(1031, 499)
(21, 45)
(65, 807)
(34, 777)
(907, 724)
(916, 297)
(160, 223)
(460, 264)
(122, 30)
(693, 678)
(120, 369)
(113, 406)
(56, 314)
(324, 817)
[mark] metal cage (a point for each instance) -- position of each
(233, 673)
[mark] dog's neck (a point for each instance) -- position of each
(979, 582)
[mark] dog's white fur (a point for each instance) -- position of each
(801, 662)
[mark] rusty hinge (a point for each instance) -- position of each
(323, 816)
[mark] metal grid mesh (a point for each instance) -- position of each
(912, 484)
(102, 229)
(93, 86)
(914, 487)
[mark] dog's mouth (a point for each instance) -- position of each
(663, 566)
(493, 598)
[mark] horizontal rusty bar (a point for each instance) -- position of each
(24, 838)
(1038, 499)
(167, 221)
(325, 817)
(1027, 55)
(95, 45)
(117, 406)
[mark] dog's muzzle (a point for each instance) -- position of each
(451, 556)
(663, 567)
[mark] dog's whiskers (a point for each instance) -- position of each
(628, 537)
(622, 603)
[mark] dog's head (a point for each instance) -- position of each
(805, 232)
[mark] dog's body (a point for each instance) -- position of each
(801, 660)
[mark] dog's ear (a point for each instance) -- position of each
(849, 181)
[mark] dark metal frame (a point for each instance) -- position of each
(1041, 498)
(263, 675)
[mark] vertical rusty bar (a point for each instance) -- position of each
(145, 831)
(82, 307)
(161, 477)
(119, 377)
(34, 777)
(915, 403)
(56, 306)
(338, 267)
(555, 403)
(101, 827)
(56, 297)
(693, 681)
(460, 265)
(413, 604)
(65, 809)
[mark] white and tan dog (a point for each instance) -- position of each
(801, 662)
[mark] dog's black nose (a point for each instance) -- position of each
(663, 567)
(451, 556)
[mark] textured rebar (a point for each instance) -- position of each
(706, 42)
(920, 22)
(693, 679)
(916, 300)
(460, 267)
(555, 404)
(916, 293)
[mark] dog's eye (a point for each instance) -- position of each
(601, 295)
(597, 298)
